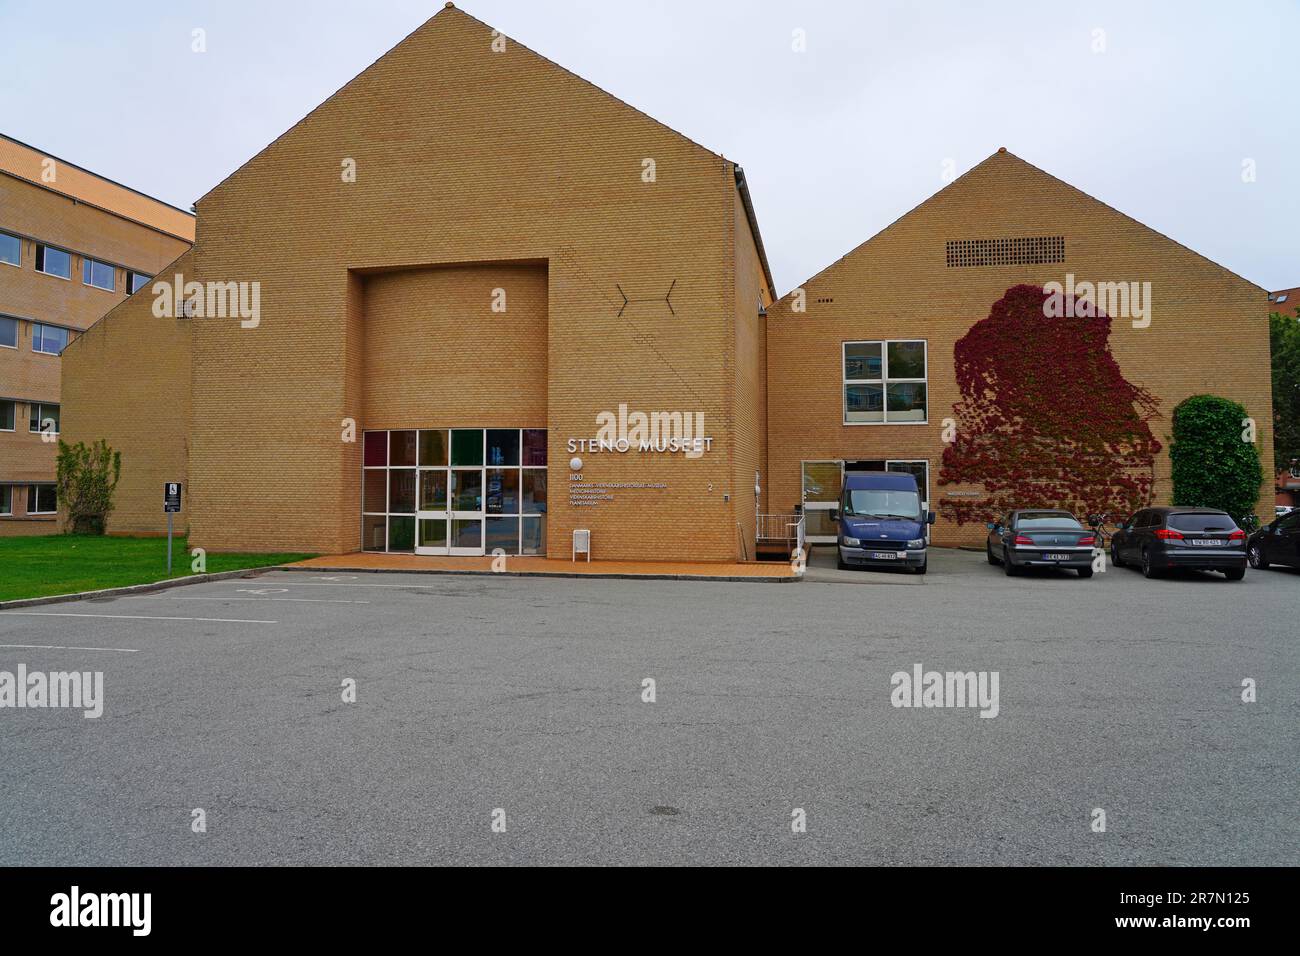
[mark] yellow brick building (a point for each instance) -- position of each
(480, 293)
(466, 241)
(72, 246)
(921, 285)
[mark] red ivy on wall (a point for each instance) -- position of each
(1045, 418)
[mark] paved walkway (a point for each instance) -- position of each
(771, 571)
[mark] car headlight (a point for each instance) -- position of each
(850, 542)
(916, 544)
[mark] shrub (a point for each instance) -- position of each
(1214, 463)
(1284, 337)
(87, 478)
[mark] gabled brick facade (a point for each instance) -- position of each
(479, 166)
(467, 236)
(1208, 328)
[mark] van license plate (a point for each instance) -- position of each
(884, 555)
(1056, 557)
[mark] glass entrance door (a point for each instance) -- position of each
(466, 492)
(466, 511)
(822, 481)
(433, 514)
(920, 468)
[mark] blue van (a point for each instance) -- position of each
(880, 523)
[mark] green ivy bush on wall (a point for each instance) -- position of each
(87, 476)
(1214, 456)
(1046, 418)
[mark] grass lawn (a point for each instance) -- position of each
(65, 563)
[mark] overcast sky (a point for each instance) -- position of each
(837, 141)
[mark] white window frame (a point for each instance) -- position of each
(90, 262)
(11, 235)
(130, 274)
(17, 326)
(40, 418)
(14, 403)
(67, 338)
(53, 275)
(32, 498)
(884, 381)
(9, 511)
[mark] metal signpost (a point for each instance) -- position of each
(171, 505)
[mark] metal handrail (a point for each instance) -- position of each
(789, 527)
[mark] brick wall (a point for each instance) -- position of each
(127, 380)
(1208, 333)
(36, 214)
(468, 156)
(749, 397)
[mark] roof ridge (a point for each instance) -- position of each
(1003, 151)
(892, 223)
(450, 7)
(91, 172)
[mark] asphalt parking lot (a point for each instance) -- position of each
(475, 694)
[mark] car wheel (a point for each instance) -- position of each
(921, 569)
(1147, 570)
(1010, 569)
(1085, 572)
(839, 563)
(988, 550)
(1234, 574)
(1115, 559)
(1256, 557)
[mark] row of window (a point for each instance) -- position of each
(885, 382)
(54, 261)
(40, 415)
(50, 339)
(41, 500)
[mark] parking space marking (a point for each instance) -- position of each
(135, 617)
(61, 647)
(311, 584)
(216, 597)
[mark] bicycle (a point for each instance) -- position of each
(1097, 522)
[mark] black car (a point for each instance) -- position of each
(1195, 539)
(1276, 543)
(1040, 538)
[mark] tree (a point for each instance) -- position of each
(87, 478)
(1284, 337)
(1214, 456)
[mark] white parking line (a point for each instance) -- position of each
(136, 617)
(214, 597)
(312, 584)
(60, 647)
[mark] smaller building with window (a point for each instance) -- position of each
(932, 348)
(71, 249)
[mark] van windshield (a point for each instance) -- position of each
(882, 503)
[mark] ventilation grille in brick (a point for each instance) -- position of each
(1024, 251)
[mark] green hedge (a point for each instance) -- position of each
(1214, 466)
